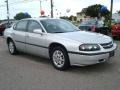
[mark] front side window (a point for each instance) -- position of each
(21, 26)
(33, 25)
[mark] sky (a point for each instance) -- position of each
(60, 7)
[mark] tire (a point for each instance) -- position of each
(12, 48)
(0, 33)
(114, 37)
(60, 59)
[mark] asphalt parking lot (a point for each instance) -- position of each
(26, 72)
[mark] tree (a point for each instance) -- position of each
(83, 10)
(96, 10)
(72, 18)
(21, 15)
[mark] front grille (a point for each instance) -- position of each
(107, 45)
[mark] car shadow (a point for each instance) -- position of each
(35, 58)
(102, 67)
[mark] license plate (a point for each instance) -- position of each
(111, 54)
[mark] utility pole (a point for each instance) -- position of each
(111, 10)
(7, 11)
(51, 1)
(40, 5)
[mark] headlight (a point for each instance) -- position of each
(89, 47)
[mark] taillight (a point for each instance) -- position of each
(116, 27)
(93, 28)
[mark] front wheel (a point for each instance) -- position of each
(1, 33)
(60, 58)
(12, 48)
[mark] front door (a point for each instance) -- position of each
(36, 43)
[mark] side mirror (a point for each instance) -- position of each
(38, 31)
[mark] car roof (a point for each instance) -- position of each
(39, 18)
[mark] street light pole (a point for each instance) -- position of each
(40, 5)
(7, 11)
(51, 1)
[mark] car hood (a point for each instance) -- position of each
(86, 37)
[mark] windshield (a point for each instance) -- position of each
(89, 22)
(58, 26)
(98, 23)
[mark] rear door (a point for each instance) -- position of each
(19, 34)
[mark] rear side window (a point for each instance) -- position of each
(21, 26)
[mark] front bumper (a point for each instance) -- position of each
(84, 59)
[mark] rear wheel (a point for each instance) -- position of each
(11, 47)
(60, 59)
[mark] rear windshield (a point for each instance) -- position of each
(98, 23)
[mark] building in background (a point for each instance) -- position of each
(80, 16)
(116, 17)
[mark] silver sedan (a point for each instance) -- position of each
(60, 41)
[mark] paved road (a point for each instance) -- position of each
(25, 72)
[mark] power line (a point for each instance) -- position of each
(7, 10)
(51, 1)
(14, 3)
(111, 10)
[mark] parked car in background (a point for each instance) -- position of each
(3, 26)
(94, 25)
(116, 29)
(60, 41)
